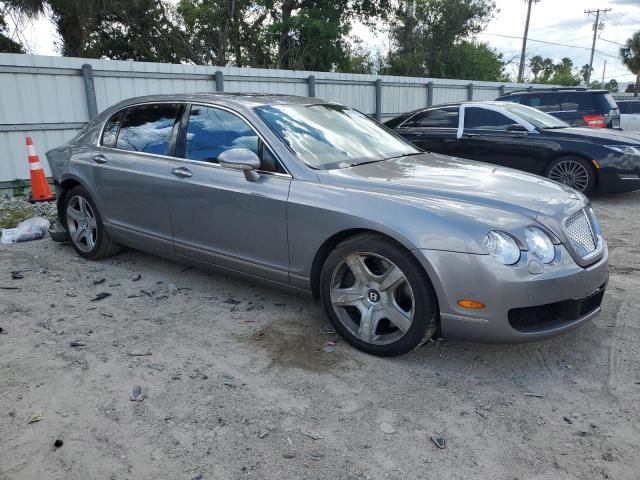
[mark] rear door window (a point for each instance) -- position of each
(436, 118)
(211, 131)
(629, 107)
(481, 118)
(546, 102)
(148, 128)
(110, 130)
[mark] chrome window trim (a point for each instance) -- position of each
(198, 162)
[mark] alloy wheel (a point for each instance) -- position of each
(81, 223)
(372, 298)
(570, 173)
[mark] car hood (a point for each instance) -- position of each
(458, 180)
(605, 136)
(473, 195)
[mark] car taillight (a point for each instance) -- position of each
(594, 121)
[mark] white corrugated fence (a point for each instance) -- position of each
(50, 98)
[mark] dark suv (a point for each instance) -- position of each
(578, 107)
(629, 107)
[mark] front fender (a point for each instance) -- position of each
(316, 212)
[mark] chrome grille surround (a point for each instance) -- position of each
(584, 232)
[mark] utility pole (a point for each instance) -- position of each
(524, 43)
(604, 69)
(596, 27)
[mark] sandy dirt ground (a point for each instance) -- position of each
(237, 386)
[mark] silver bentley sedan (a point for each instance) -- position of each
(397, 244)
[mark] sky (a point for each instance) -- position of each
(556, 21)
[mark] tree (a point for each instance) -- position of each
(474, 61)
(612, 85)
(143, 30)
(227, 33)
(16, 9)
(536, 64)
(424, 40)
(630, 55)
(312, 34)
(586, 71)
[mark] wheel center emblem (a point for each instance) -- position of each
(373, 296)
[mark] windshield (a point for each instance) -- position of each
(535, 117)
(327, 136)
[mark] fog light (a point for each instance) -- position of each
(472, 304)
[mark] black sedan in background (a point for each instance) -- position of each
(524, 138)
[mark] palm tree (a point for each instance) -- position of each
(630, 55)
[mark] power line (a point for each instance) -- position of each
(547, 43)
(611, 41)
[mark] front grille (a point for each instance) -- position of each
(580, 228)
(541, 317)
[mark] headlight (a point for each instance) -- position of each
(502, 247)
(625, 149)
(540, 245)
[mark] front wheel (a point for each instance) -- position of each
(377, 296)
(574, 172)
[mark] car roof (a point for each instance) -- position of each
(248, 100)
(533, 91)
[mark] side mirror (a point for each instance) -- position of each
(516, 128)
(241, 159)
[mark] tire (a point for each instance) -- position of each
(83, 222)
(389, 291)
(574, 172)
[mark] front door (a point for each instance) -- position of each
(131, 169)
(218, 216)
(489, 136)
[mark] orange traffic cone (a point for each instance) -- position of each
(40, 190)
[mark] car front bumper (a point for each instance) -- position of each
(520, 306)
(614, 182)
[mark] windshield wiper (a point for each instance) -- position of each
(357, 164)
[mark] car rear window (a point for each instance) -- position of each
(147, 128)
(629, 107)
(437, 118)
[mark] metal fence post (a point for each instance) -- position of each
(312, 85)
(89, 91)
(470, 92)
(219, 76)
(429, 94)
(378, 99)
(503, 90)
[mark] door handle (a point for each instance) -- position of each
(181, 172)
(470, 135)
(99, 158)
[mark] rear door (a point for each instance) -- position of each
(434, 130)
(218, 216)
(487, 138)
(130, 170)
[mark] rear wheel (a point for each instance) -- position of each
(83, 222)
(574, 172)
(377, 296)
